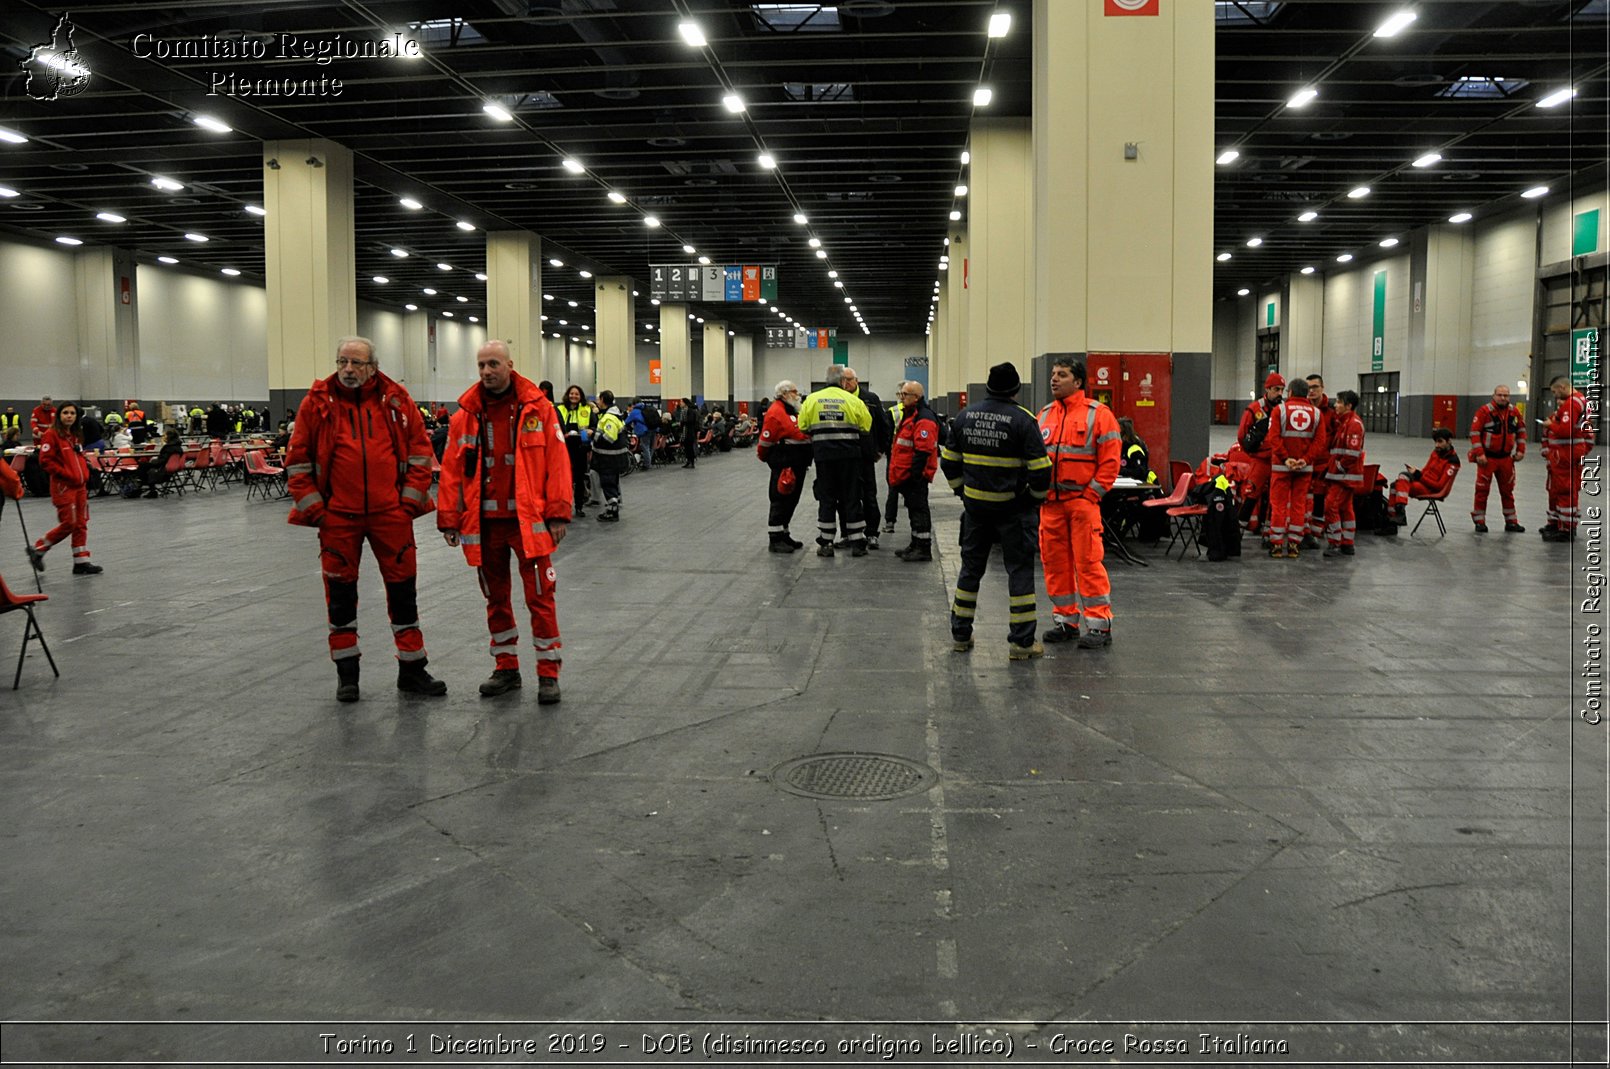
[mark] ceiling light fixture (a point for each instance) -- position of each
(1427, 160)
(1242, 292)
(689, 249)
(401, 254)
(167, 183)
(1229, 155)
(410, 203)
(821, 254)
(382, 279)
(64, 240)
(617, 196)
(1000, 24)
(586, 274)
(1387, 243)
(574, 166)
(462, 299)
(255, 209)
(427, 291)
(1308, 217)
(832, 274)
(1302, 96)
(1558, 97)
(497, 111)
(955, 217)
(1358, 192)
(692, 34)
(230, 271)
(555, 262)
(110, 217)
(733, 103)
(1535, 192)
(1395, 24)
(799, 217)
(1253, 243)
(207, 122)
(444, 267)
(462, 225)
(1344, 258)
(7, 191)
(166, 260)
(982, 96)
(766, 161)
(704, 260)
(1222, 257)
(12, 136)
(815, 243)
(1306, 271)
(961, 191)
(651, 221)
(1460, 217)
(195, 237)
(480, 276)
(412, 307)
(967, 157)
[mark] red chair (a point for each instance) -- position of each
(11, 602)
(1431, 508)
(1182, 486)
(260, 475)
(1177, 468)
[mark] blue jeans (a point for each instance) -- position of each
(645, 446)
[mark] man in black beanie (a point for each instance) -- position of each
(995, 461)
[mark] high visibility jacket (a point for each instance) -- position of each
(328, 419)
(1346, 464)
(1254, 412)
(1568, 436)
(995, 458)
(782, 444)
(1083, 440)
(1296, 430)
(10, 420)
(915, 451)
(195, 413)
(611, 446)
(542, 484)
(1137, 464)
(575, 420)
(62, 456)
(135, 415)
(1497, 432)
(1439, 471)
(835, 419)
(897, 412)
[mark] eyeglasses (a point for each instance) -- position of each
(347, 361)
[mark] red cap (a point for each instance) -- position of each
(1274, 379)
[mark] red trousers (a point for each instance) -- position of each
(1564, 484)
(1502, 469)
(391, 536)
(1288, 504)
(1071, 551)
(72, 518)
(1256, 490)
(1340, 522)
(500, 537)
(1404, 488)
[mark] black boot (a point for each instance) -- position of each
(916, 552)
(412, 678)
(780, 545)
(86, 568)
(501, 681)
(346, 674)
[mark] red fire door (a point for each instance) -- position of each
(1445, 412)
(1139, 386)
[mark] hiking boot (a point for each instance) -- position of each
(1061, 632)
(547, 691)
(780, 547)
(1292, 552)
(1277, 550)
(961, 645)
(1095, 640)
(1014, 652)
(413, 679)
(1309, 542)
(86, 568)
(796, 543)
(1481, 528)
(346, 674)
(825, 549)
(1514, 528)
(1332, 551)
(916, 553)
(858, 549)
(501, 681)
(36, 557)
(1400, 516)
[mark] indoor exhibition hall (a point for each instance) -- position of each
(662, 531)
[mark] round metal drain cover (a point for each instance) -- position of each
(867, 776)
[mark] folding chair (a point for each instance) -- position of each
(1177, 468)
(260, 475)
(1187, 528)
(1432, 510)
(11, 602)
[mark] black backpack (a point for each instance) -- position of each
(651, 417)
(1252, 441)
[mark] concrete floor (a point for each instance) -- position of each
(1348, 792)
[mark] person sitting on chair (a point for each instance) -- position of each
(1430, 481)
(155, 471)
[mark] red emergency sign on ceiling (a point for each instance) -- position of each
(1132, 7)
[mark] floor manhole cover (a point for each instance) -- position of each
(867, 776)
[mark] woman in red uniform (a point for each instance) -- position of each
(61, 454)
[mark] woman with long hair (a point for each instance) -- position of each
(576, 419)
(61, 454)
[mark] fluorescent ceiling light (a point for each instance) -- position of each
(7, 191)
(1459, 217)
(1535, 192)
(555, 262)
(547, 296)
(1306, 271)
(195, 237)
(1242, 292)
(967, 157)
(1358, 192)
(69, 241)
(382, 279)
(573, 166)
(410, 203)
(1427, 160)
(497, 111)
(1000, 24)
(412, 307)
(982, 96)
(1387, 243)
(1308, 217)
(617, 196)
(586, 274)
(1302, 97)
(692, 34)
(166, 260)
(1558, 97)
(766, 161)
(821, 254)
(573, 304)
(110, 217)
(961, 191)
(1395, 24)
(444, 267)
(704, 259)
(462, 225)
(12, 136)
(1344, 258)
(651, 221)
(427, 291)
(832, 274)
(167, 183)
(1253, 243)
(480, 276)
(689, 249)
(733, 103)
(1222, 257)
(447, 315)
(255, 209)
(815, 243)
(955, 217)
(401, 254)
(799, 217)
(207, 122)
(475, 319)
(462, 299)
(838, 283)
(1229, 155)
(230, 271)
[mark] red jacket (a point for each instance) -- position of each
(782, 444)
(542, 485)
(1439, 471)
(916, 446)
(1328, 420)
(1297, 430)
(1497, 432)
(63, 458)
(1084, 443)
(10, 484)
(384, 422)
(40, 419)
(1567, 438)
(1346, 464)
(1254, 412)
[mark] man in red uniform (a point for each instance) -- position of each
(40, 419)
(1440, 469)
(1256, 489)
(506, 486)
(359, 467)
(1566, 440)
(1344, 475)
(1084, 444)
(786, 451)
(1320, 488)
(1297, 440)
(913, 459)
(1497, 444)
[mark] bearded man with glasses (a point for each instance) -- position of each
(359, 467)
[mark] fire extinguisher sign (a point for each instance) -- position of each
(1131, 7)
